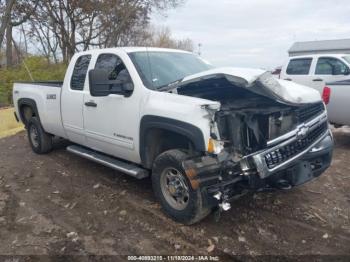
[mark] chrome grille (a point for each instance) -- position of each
(288, 151)
(306, 113)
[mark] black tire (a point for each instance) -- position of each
(194, 210)
(39, 140)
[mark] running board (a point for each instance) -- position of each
(129, 169)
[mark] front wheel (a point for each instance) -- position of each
(173, 189)
(40, 141)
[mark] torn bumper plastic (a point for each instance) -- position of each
(279, 157)
(222, 180)
(309, 166)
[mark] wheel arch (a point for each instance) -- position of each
(27, 102)
(152, 126)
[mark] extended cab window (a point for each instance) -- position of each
(330, 66)
(115, 66)
(300, 66)
(79, 72)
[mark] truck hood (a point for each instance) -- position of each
(257, 81)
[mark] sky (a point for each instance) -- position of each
(255, 33)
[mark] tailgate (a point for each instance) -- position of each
(339, 104)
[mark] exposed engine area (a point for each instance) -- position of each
(248, 120)
(246, 125)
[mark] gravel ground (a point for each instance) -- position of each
(61, 204)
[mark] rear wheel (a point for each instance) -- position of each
(39, 140)
(174, 191)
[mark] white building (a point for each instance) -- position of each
(320, 47)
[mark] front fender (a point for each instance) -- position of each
(193, 133)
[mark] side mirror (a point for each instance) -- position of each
(128, 87)
(101, 85)
(347, 71)
(99, 82)
(127, 84)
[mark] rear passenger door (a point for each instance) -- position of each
(328, 69)
(298, 70)
(75, 84)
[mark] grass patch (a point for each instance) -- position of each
(8, 124)
(40, 70)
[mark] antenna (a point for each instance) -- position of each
(150, 67)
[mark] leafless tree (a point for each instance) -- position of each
(19, 12)
(162, 37)
(59, 28)
(5, 19)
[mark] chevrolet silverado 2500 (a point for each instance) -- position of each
(205, 135)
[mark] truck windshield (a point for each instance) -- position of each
(161, 69)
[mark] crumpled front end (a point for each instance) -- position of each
(264, 142)
(222, 180)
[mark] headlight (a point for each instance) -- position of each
(215, 146)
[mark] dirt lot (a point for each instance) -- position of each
(62, 204)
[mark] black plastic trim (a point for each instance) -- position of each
(193, 133)
(16, 117)
(339, 83)
(57, 84)
(27, 102)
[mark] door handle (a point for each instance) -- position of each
(91, 104)
(288, 79)
(317, 80)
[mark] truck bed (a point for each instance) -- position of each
(47, 98)
(339, 107)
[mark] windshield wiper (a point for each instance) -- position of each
(169, 86)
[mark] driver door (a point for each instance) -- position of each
(109, 121)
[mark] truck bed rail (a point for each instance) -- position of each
(42, 83)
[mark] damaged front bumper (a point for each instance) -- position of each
(296, 160)
(287, 149)
(307, 167)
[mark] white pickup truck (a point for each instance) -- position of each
(314, 70)
(205, 135)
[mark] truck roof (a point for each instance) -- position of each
(133, 49)
(318, 55)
